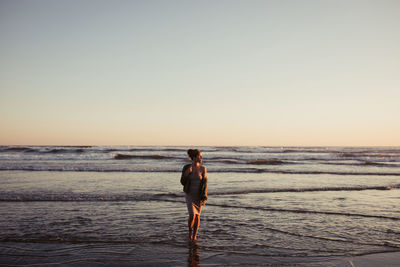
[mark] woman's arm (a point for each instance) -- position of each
(206, 182)
(187, 169)
(204, 186)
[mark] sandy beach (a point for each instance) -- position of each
(51, 254)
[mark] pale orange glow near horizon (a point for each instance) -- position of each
(169, 138)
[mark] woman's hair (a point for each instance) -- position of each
(193, 153)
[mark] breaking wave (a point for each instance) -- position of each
(156, 168)
(51, 196)
(127, 156)
(268, 162)
(310, 189)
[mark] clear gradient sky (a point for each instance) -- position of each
(279, 73)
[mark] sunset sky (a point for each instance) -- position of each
(273, 73)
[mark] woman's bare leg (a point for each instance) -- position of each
(196, 226)
(190, 225)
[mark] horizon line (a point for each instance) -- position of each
(89, 145)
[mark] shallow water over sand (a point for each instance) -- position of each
(139, 217)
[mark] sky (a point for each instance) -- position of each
(235, 73)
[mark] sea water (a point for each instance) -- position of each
(125, 205)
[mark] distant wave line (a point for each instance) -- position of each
(127, 156)
(299, 190)
(342, 152)
(302, 161)
(291, 190)
(210, 170)
(73, 149)
(362, 164)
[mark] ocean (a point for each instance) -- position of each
(124, 205)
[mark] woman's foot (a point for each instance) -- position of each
(194, 238)
(190, 236)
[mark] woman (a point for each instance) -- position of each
(194, 180)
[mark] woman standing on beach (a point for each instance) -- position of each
(194, 181)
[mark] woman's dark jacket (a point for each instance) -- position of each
(185, 181)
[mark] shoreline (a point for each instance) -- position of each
(151, 254)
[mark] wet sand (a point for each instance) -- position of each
(388, 259)
(100, 254)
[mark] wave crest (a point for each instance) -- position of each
(310, 189)
(127, 156)
(267, 162)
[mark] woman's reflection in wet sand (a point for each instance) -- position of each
(194, 255)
